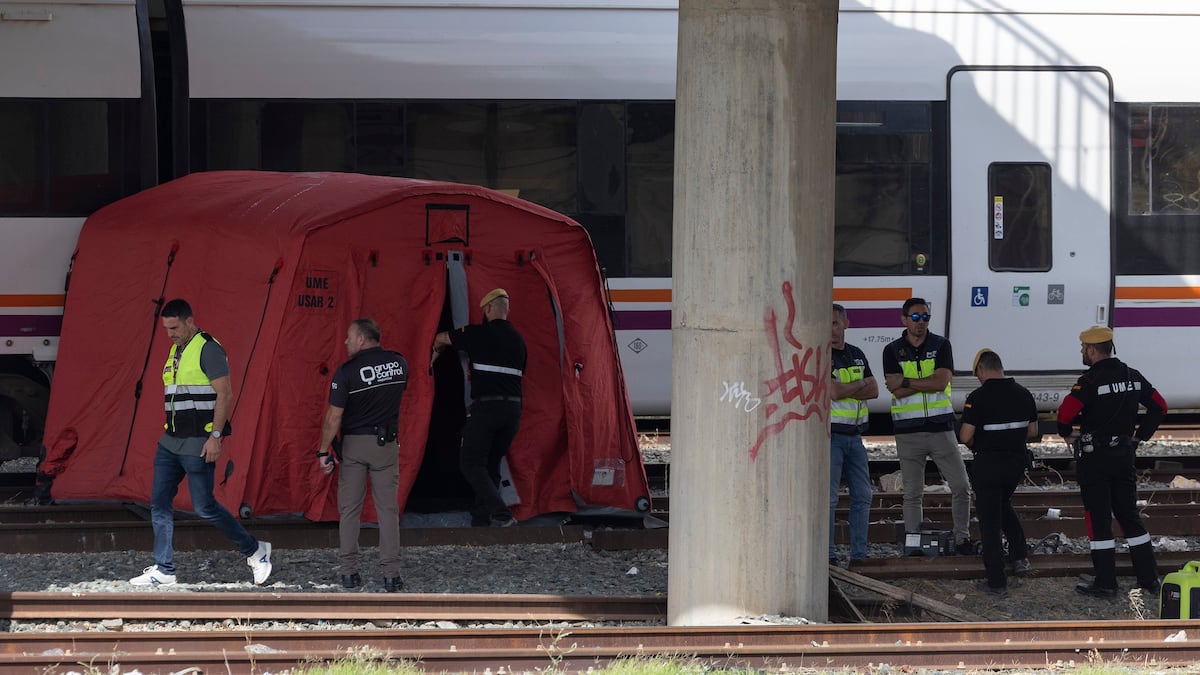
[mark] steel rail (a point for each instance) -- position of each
(980, 645)
(971, 566)
(331, 606)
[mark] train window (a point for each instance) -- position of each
(608, 238)
(1019, 217)
(276, 136)
(379, 138)
(66, 158)
(601, 158)
(1164, 164)
(528, 147)
(882, 188)
(650, 162)
(1157, 157)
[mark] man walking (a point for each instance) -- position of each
(853, 385)
(498, 356)
(364, 405)
(198, 396)
(998, 418)
(1105, 401)
(917, 369)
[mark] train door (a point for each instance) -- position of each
(1030, 176)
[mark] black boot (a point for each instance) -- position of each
(1144, 566)
(351, 580)
(1104, 561)
(392, 584)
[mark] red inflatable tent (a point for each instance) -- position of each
(275, 266)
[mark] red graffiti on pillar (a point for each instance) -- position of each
(798, 391)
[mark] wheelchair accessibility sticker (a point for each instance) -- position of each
(979, 296)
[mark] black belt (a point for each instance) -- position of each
(514, 399)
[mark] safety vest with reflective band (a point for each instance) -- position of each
(848, 415)
(918, 409)
(189, 395)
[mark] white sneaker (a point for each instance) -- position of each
(152, 577)
(260, 562)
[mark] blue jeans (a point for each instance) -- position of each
(848, 455)
(169, 470)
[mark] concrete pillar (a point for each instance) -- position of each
(752, 287)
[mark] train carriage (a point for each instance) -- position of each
(1031, 167)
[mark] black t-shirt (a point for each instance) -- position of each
(1000, 410)
(369, 387)
(497, 354)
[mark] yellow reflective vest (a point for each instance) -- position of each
(917, 409)
(189, 395)
(848, 415)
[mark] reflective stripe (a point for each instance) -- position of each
(1118, 387)
(1138, 540)
(849, 410)
(933, 406)
(180, 404)
(1104, 545)
(496, 369)
(1001, 426)
(191, 389)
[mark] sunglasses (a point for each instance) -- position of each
(919, 317)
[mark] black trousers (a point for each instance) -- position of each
(995, 476)
(489, 431)
(1108, 485)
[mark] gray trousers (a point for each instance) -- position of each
(913, 449)
(363, 458)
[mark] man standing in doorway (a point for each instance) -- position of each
(1105, 401)
(998, 418)
(497, 353)
(364, 405)
(198, 397)
(917, 369)
(853, 385)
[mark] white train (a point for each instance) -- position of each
(1031, 167)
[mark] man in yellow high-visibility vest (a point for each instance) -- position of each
(917, 369)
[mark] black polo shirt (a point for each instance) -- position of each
(1001, 410)
(369, 388)
(497, 354)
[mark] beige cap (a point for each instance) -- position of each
(492, 295)
(979, 354)
(1095, 335)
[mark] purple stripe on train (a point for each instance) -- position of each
(656, 319)
(30, 325)
(1134, 317)
(875, 318)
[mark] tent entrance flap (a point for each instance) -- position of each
(439, 485)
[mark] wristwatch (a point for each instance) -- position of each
(216, 434)
(905, 384)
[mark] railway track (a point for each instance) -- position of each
(120, 527)
(243, 606)
(825, 646)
